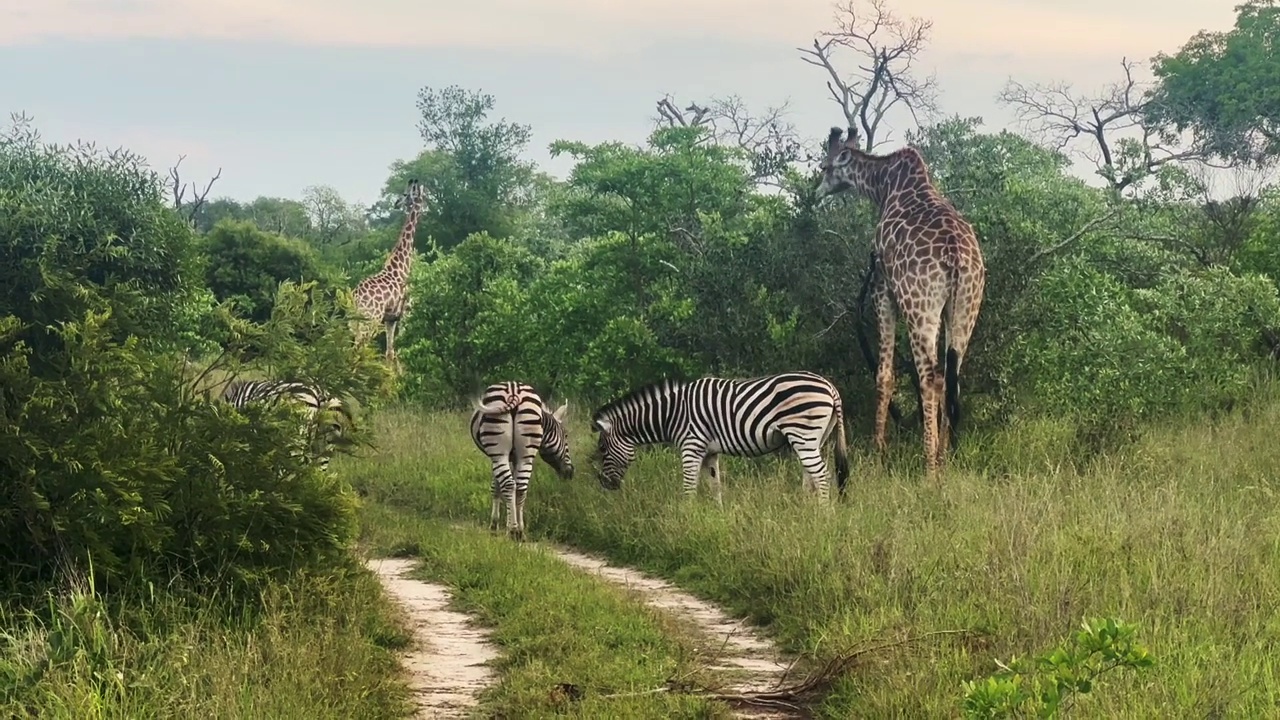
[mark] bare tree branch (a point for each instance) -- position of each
(1110, 129)
(887, 48)
(1094, 222)
(768, 138)
(670, 115)
(178, 188)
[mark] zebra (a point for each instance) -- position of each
(241, 393)
(510, 423)
(711, 416)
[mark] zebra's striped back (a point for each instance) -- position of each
(511, 425)
(311, 399)
(511, 414)
(712, 416)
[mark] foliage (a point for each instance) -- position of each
(246, 265)
(1047, 685)
(84, 233)
(110, 459)
(1223, 86)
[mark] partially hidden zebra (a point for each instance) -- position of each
(311, 399)
(712, 416)
(510, 425)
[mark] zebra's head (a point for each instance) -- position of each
(334, 420)
(555, 442)
(614, 453)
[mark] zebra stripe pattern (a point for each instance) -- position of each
(711, 416)
(510, 425)
(242, 393)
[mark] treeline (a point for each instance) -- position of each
(701, 251)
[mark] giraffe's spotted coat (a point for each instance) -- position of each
(928, 268)
(383, 297)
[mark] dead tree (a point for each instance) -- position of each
(189, 209)
(1110, 129)
(770, 141)
(886, 48)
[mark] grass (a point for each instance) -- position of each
(1178, 533)
(316, 646)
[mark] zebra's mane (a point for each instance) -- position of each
(655, 389)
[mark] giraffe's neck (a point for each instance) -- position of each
(883, 177)
(401, 257)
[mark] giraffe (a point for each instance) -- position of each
(384, 295)
(928, 267)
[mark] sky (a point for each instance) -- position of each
(282, 94)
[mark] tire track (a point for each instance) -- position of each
(748, 660)
(448, 665)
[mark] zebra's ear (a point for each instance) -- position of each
(600, 425)
(561, 412)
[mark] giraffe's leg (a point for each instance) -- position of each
(924, 329)
(886, 320)
(960, 317)
(711, 463)
(391, 340)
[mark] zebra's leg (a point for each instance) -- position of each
(524, 470)
(692, 454)
(501, 481)
(809, 451)
(711, 464)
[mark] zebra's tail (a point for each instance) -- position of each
(842, 448)
(508, 404)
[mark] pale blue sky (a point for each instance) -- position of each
(286, 93)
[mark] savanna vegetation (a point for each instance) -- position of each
(165, 552)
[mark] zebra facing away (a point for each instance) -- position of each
(241, 393)
(510, 425)
(712, 416)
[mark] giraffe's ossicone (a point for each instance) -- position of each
(927, 266)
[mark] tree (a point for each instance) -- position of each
(1225, 87)
(886, 48)
(770, 142)
(333, 220)
(247, 264)
(1111, 129)
(188, 207)
(471, 171)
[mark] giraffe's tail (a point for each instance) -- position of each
(952, 374)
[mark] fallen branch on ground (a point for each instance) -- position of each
(796, 695)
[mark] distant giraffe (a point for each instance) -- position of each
(383, 297)
(927, 266)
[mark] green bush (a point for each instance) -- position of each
(110, 459)
(246, 265)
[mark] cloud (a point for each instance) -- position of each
(596, 27)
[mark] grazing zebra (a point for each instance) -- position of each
(510, 424)
(241, 393)
(711, 416)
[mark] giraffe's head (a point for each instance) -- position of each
(838, 169)
(412, 196)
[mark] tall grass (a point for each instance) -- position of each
(1178, 533)
(316, 646)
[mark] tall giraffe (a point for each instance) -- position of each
(384, 297)
(927, 266)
